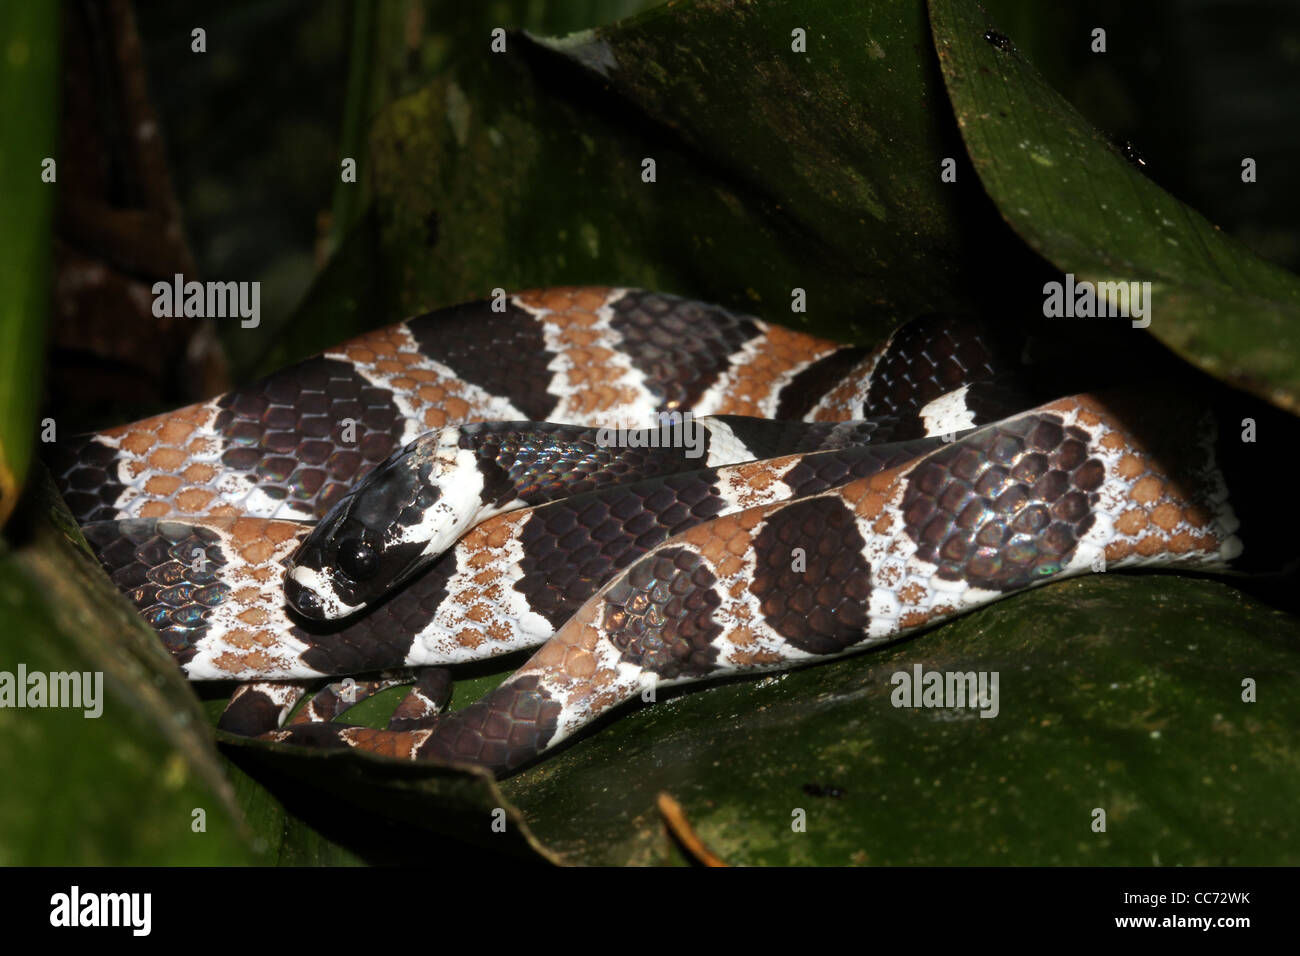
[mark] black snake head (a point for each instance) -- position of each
(400, 517)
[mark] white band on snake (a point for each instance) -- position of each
(411, 499)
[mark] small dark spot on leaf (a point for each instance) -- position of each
(999, 40)
(817, 790)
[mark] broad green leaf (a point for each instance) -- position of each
(29, 98)
(1073, 196)
(283, 835)
(774, 169)
(123, 787)
(424, 802)
(395, 45)
(1118, 692)
(1139, 714)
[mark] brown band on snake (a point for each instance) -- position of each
(429, 696)
(168, 570)
(811, 579)
(87, 473)
(808, 387)
(473, 341)
(926, 359)
(290, 434)
(660, 614)
(509, 726)
(571, 547)
(259, 707)
(679, 345)
(1006, 506)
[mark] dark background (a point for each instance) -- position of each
(251, 133)
(253, 136)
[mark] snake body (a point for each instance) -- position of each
(931, 475)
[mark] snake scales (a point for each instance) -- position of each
(932, 474)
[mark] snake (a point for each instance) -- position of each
(643, 489)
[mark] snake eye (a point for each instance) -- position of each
(357, 559)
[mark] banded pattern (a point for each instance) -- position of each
(414, 506)
(417, 503)
(850, 530)
(716, 600)
(504, 586)
(290, 445)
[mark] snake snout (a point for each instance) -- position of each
(314, 592)
(303, 600)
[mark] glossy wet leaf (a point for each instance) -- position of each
(1075, 197)
(426, 802)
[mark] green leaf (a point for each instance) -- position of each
(424, 801)
(123, 787)
(29, 98)
(388, 53)
(1117, 692)
(774, 170)
(1138, 713)
(1074, 197)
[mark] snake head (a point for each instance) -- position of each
(393, 524)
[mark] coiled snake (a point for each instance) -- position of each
(827, 500)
